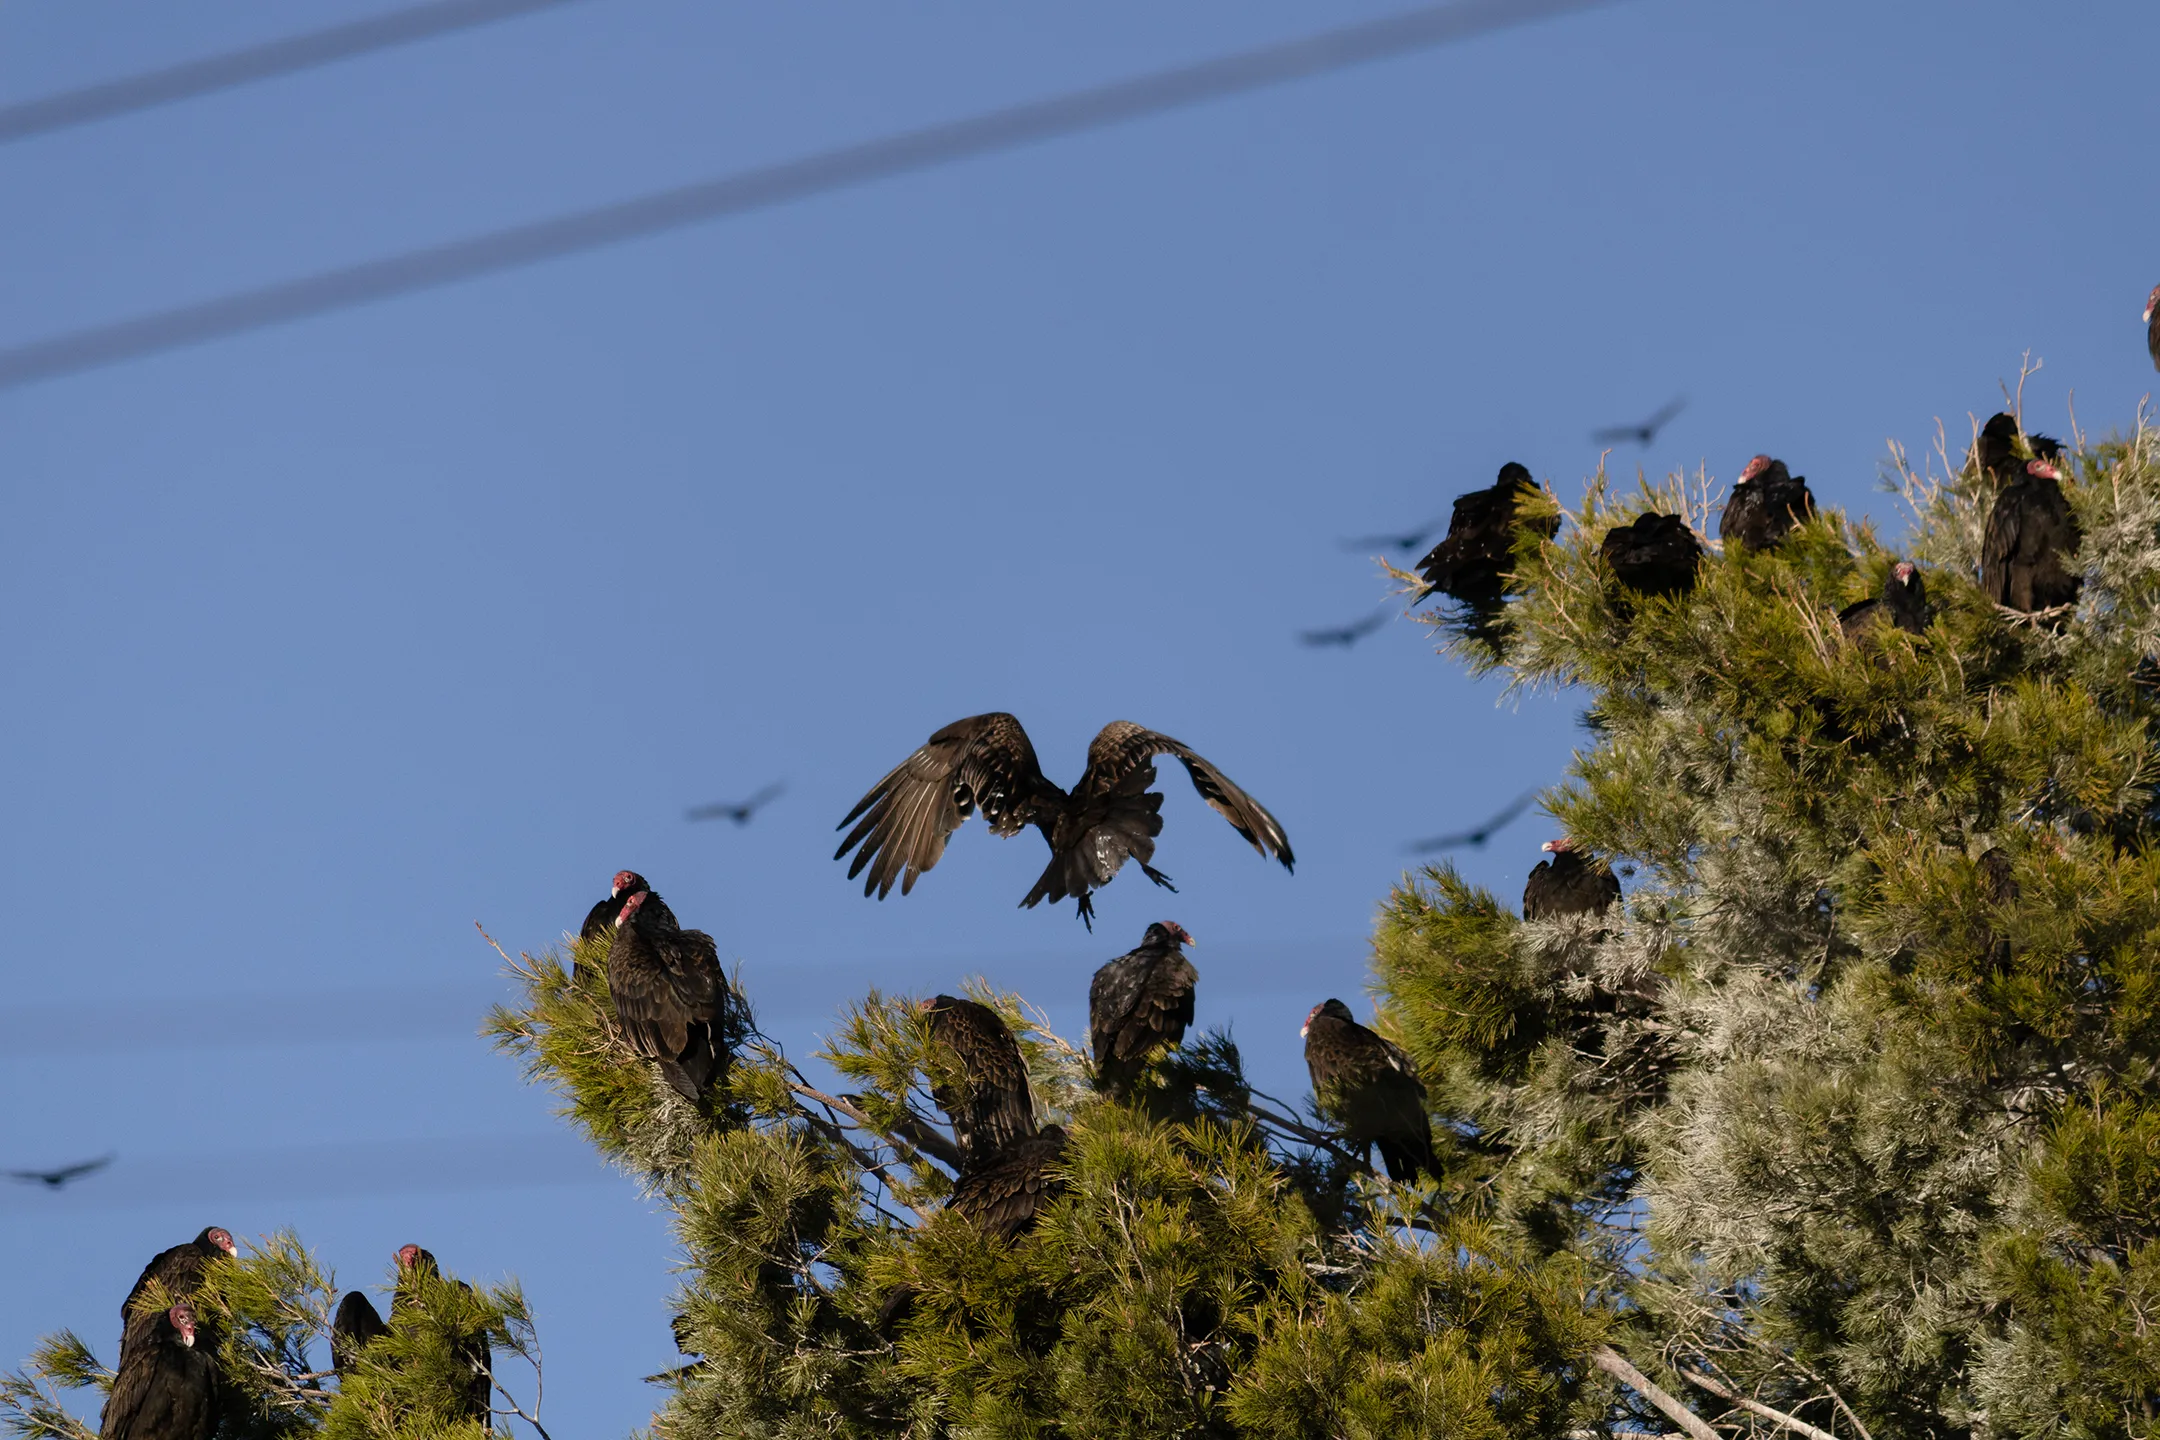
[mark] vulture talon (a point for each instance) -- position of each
(1157, 876)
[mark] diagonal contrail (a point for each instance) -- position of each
(765, 186)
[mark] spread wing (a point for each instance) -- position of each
(1122, 748)
(984, 762)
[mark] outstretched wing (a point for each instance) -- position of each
(1121, 748)
(984, 762)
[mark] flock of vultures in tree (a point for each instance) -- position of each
(672, 1000)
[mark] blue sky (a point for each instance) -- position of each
(334, 639)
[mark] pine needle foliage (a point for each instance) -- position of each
(1851, 1106)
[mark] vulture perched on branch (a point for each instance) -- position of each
(357, 1322)
(600, 920)
(1138, 1003)
(1767, 502)
(1472, 563)
(166, 1387)
(1568, 884)
(1369, 1087)
(987, 762)
(1903, 603)
(1003, 1196)
(1653, 554)
(416, 1270)
(988, 1101)
(2031, 535)
(2152, 326)
(180, 1270)
(670, 995)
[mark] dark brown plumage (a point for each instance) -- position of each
(357, 1322)
(2152, 326)
(1004, 1196)
(1568, 884)
(600, 920)
(2003, 448)
(180, 1270)
(986, 762)
(166, 1387)
(1653, 554)
(670, 995)
(1369, 1088)
(1767, 502)
(2030, 538)
(1138, 1003)
(416, 1270)
(988, 1100)
(1903, 603)
(1471, 564)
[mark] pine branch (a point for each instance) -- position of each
(1756, 1407)
(1614, 1364)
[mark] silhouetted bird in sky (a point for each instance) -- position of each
(1653, 554)
(987, 762)
(1568, 884)
(55, 1179)
(1346, 635)
(1472, 563)
(1767, 501)
(1903, 603)
(740, 812)
(1476, 839)
(1367, 1085)
(1644, 433)
(2031, 535)
(1399, 540)
(2152, 325)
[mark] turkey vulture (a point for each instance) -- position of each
(991, 1106)
(987, 761)
(59, 1178)
(1003, 1196)
(2152, 326)
(670, 994)
(740, 811)
(1998, 454)
(180, 1270)
(357, 1322)
(2030, 535)
(1568, 884)
(1903, 603)
(1653, 554)
(600, 920)
(1369, 1087)
(1641, 434)
(1767, 501)
(470, 1350)
(1472, 563)
(1140, 1002)
(166, 1388)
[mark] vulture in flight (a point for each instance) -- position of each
(1903, 603)
(1140, 1002)
(987, 762)
(2152, 326)
(1472, 562)
(2031, 535)
(166, 1387)
(1767, 502)
(471, 1350)
(990, 1107)
(1653, 554)
(670, 995)
(1003, 1197)
(600, 920)
(1568, 884)
(357, 1322)
(1369, 1087)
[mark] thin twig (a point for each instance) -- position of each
(1756, 1407)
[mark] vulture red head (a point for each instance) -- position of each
(182, 1319)
(2044, 469)
(1326, 1007)
(630, 908)
(1903, 572)
(218, 1236)
(628, 880)
(1756, 467)
(1174, 932)
(2152, 303)
(1561, 846)
(408, 1256)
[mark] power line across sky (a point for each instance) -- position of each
(767, 185)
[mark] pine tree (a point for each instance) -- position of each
(1844, 1122)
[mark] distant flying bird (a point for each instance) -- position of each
(991, 1107)
(166, 1387)
(1346, 635)
(2152, 326)
(740, 812)
(1472, 562)
(1767, 502)
(1903, 603)
(1568, 884)
(1369, 1088)
(987, 761)
(1476, 839)
(1399, 540)
(55, 1179)
(670, 995)
(2031, 535)
(1644, 433)
(1653, 554)
(1139, 1003)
